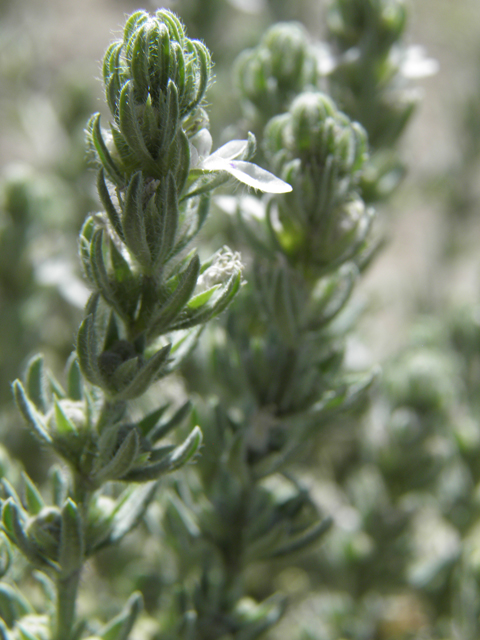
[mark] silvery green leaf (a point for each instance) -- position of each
(306, 538)
(119, 628)
(74, 378)
(164, 427)
(36, 383)
(102, 150)
(248, 173)
(130, 508)
(172, 461)
(33, 499)
(34, 420)
(186, 283)
(150, 372)
(13, 605)
(122, 461)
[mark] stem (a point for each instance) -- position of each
(66, 606)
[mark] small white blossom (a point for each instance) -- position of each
(226, 264)
(227, 159)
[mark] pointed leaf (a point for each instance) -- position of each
(187, 281)
(122, 461)
(110, 208)
(120, 627)
(147, 375)
(34, 420)
(36, 383)
(74, 379)
(65, 426)
(164, 427)
(33, 499)
(172, 461)
(307, 538)
(106, 160)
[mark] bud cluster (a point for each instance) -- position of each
(321, 153)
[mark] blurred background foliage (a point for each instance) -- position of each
(399, 474)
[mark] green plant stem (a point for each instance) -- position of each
(67, 591)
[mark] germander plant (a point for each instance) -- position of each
(150, 298)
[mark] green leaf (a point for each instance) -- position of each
(120, 627)
(149, 421)
(130, 509)
(214, 307)
(36, 383)
(185, 286)
(139, 66)
(13, 605)
(108, 163)
(122, 461)
(15, 528)
(168, 213)
(88, 343)
(150, 372)
(171, 117)
(110, 208)
(65, 426)
(130, 128)
(172, 461)
(312, 535)
(202, 298)
(72, 548)
(34, 420)
(160, 430)
(74, 378)
(134, 222)
(4, 635)
(33, 499)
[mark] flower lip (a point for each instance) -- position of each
(228, 158)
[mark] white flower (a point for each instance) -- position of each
(226, 264)
(228, 159)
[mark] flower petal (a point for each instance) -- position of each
(248, 173)
(231, 150)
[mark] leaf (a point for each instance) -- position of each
(4, 635)
(88, 343)
(214, 307)
(122, 461)
(65, 427)
(36, 383)
(129, 511)
(130, 128)
(119, 628)
(146, 376)
(110, 208)
(33, 499)
(34, 420)
(202, 298)
(161, 430)
(187, 281)
(149, 421)
(14, 527)
(312, 535)
(172, 461)
(74, 379)
(168, 212)
(133, 221)
(13, 605)
(72, 546)
(102, 151)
